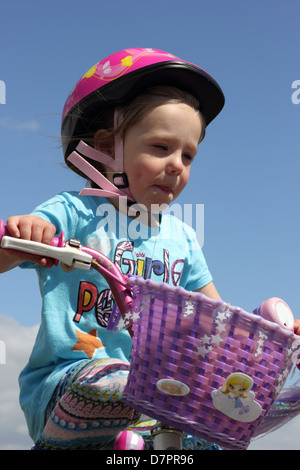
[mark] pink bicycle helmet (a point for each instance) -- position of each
(113, 82)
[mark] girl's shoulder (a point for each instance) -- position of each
(69, 211)
(178, 221)
(73, 201)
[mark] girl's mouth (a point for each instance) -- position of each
(165, 189)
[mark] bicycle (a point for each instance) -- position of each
(210, 369)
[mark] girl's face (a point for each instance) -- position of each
(158, 152)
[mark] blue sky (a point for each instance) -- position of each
(247, 169)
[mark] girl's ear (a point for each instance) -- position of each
(104, 142)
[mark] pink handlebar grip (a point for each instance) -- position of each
(116, 280)
(3, 230)
(58, 242)
(277, 311)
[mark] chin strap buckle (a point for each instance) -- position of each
(120, 180)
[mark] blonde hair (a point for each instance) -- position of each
(149, 99)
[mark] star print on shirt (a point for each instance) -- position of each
(87, 342)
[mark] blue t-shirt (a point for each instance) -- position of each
(77, 305)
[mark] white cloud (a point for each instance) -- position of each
(13, 124)
(18, 342)
(285, 438)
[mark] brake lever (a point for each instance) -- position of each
(69, 256)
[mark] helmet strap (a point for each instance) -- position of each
(108, 189)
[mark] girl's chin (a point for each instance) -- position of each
(158, 197)
(156, 205)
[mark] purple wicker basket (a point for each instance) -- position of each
(202, 366)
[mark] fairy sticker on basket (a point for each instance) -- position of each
(235, 398)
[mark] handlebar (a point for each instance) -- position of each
(73, 255)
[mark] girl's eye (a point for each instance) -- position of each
(161, 147)
(188, 156)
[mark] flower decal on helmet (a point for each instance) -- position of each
(127, 61)
(90, 72)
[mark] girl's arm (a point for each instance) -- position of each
(27, 227)
(297, 327)
(210, 291)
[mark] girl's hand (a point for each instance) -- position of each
(297, 327)
(27, 227)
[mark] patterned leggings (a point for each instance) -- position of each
(87, 412)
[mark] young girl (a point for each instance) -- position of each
(131, 126)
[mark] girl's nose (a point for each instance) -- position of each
(175, 163)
